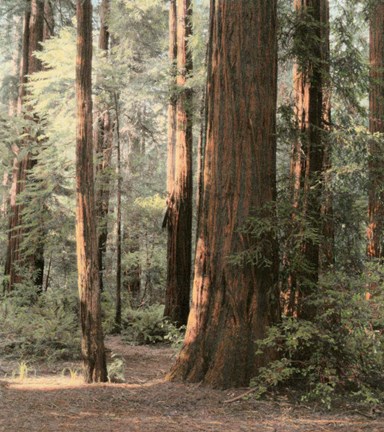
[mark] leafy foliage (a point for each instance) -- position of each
(149, 326)
(46, 330)
(339, 353)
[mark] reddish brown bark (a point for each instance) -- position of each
(179, 213)
(307, 159)
(103, 145)
(376, 125)
(86, 238)
(17, 257)
(232, 305)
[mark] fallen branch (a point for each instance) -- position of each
(248, 392)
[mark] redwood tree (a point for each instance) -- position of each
(179, 212)
(17, 257)
(232, 304)
(307, 160)
(376, 125)
(86, 238)
(327, 246)
(103, 134)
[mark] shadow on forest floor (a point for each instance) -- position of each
(53, 402)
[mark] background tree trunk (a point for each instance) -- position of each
(118, 221)
(17, 258)
(86, 239)
(172, 98)
(233, 304)
(103, 144)
(376, 124)
(307, 160)
(179, 218)
(327, 246)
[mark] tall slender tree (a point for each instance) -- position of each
(327, 246)
(33, 35)
(118, 219)
(103, 136)
(86, 238)
(375, 231)
(179, 213)
(232, 304)
(172, 55)
(307, 160)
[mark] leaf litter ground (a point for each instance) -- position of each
(54, 399)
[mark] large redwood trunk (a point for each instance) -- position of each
(308, 155)
(179, 217)
(232, 304)
(376, 124)
(103, 145)
(86, 237)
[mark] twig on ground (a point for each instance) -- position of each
(248, 392)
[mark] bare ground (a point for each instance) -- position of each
(54, 399)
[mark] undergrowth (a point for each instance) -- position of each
(149, 326)
(47, 329)
(338, 355)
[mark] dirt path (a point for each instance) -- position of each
(51, 401)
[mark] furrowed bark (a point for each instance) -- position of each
(86, 238)
(233, 303)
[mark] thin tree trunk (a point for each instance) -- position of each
(376, 125)
(172, 99)
(12, 103)
(86, 237)
(132, 273)
(49, 21)
(118, 222)
(327, 246)
(233, 304)
(48, 275)
(307, 161)
(17, 258)
(179, 218)
(16, 59)
(13, 242)
(103, 144)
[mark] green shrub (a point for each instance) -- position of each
(148, 326)
(47, 329)
(340, 352)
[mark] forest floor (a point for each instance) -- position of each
(54, 399)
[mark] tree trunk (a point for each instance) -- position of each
(118, 221)
(13, 241)
(33, 261)
(103, 145)
(172, 99)
(16, 59)
(232, 304)
(376, 125)
(49, 21)
(132, 240)
(327, 247)
(308, 154)
(179, 218)
(86, 238)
